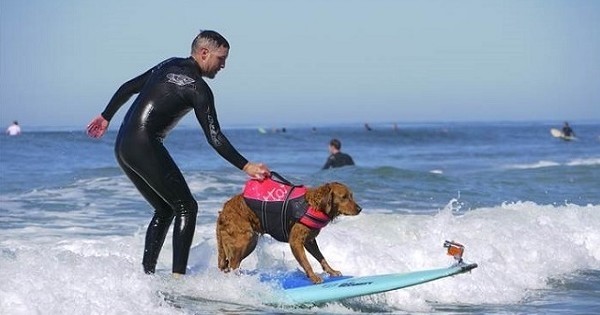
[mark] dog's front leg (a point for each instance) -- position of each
(313, 248)
(298, 236)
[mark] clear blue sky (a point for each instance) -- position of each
(311, 62)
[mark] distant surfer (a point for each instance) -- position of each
(166, 93)
(567, 130)
(336, 157)
(14, 129)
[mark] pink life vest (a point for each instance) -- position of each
(280, 204)
(271, 190)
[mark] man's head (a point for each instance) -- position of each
(210, 50)
(335, 145)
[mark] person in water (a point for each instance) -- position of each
(166, 93)
(14, 129)
(336, 157)
(567, 131)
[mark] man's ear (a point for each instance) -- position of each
(204, 52)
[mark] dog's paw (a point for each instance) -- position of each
(225, 269)
(316, 279)
(223, 265)
(334, 273)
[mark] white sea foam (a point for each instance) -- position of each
(544, 163)
(539, 164)
(518, 247)
(590, 161)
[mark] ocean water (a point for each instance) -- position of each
(525, 205)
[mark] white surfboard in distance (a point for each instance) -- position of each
(557, 133)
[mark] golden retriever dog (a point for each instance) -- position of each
(293, 214)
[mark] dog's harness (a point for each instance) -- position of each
(279, 204)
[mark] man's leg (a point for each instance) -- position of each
(161, 183)
(159, 225)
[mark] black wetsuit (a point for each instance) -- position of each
(167, 92)
(338, 160)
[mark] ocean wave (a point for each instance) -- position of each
(519, 247)
(585, 162)
(539, 164)
(545, 163)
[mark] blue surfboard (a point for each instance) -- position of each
(298, 289)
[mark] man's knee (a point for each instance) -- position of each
(186, 208)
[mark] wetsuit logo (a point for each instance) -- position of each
(179, 79)
(214, 134)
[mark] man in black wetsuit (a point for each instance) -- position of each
(336, 157)
(567, 130)
(167, 92)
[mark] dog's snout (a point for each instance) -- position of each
(358, 209)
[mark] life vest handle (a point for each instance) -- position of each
(276, 177)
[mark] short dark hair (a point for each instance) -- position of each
(335, 143)
(209, 38)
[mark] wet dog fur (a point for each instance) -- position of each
(238, 229)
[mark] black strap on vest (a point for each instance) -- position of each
(278, 178)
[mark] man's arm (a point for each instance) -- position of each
(328, 163)
(124, 93)
(98, 126)
(350, 160)
(206, 114)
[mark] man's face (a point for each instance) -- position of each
(332, 149)
(213, 61)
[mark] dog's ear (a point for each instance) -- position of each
(327, 203)
(325, 195)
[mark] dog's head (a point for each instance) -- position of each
(336, 199)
